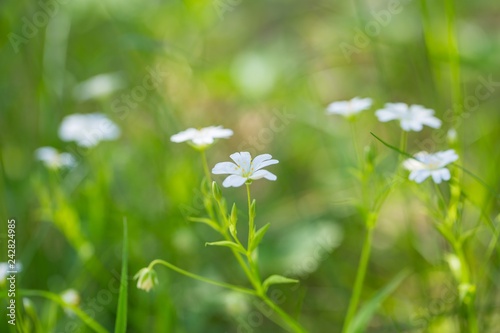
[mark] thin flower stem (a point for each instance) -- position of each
(360, 277)
(354, 134)
(205, 166)
(250, 216)
(201, 278)
(292, 323)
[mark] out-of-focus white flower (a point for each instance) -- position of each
(54, 159)
(5, 268)
(202, 138)
(349, 108)
(71, 297)
(452, 136)
(425, 165)
(87, 130)
(147, 279)
(411, 118)
(99, 85)
(245, 169)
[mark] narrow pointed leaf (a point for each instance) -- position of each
(229, 244)
(257, 238)
(362, 318)
(277, 279)
(206, 221)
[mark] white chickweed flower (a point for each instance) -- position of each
(147, 279)
(245, 169)
(349, 108)
(425, 165)
(411, 118)
(202, 138)
(87, 130)
(71, 297)
(54, 159)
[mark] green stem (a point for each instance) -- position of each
(250, 216)
(201, 278)
(360, 277)
(354, 133)
(292, 323)
(205, 166)
(76, 310)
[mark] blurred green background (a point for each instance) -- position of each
(267, 70)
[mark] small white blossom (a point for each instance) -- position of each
(5, 269)
(54, 159)
(349, 108)
(425, 165)
(411, 118)
(87, 130)
(147, 279)
(71, 297)
(245, 169)
(201, 138)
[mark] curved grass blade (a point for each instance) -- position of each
(121, 312)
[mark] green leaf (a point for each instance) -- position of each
(217, 193)
(121, 317)
(234, 215)
(277, 279)
(362, 318)
(257, 238)
(229, 244)
(206, 221)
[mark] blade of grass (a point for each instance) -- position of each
(121, 312)
(364, 315)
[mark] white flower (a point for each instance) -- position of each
(411, 118)
(349, 108)
(87, 130)
(147, 279)
(99, 85)
(424, 165)
(53, 159)
(245, 169)
(5, 269)
(71, 297)
(201, 138)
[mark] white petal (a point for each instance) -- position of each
(360, 104)
(432, 122)
(243, 159)
(262, 161)
(412, 164)
(263, 174)
(234, 181)
(226, 168)
(218, 132)
(184, 135)
(419, 175)
(385, 115)
(447, 156)
(341, 108)
(46, 154)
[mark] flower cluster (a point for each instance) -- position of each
(411, 118)
(243, 170)
(86, 130)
